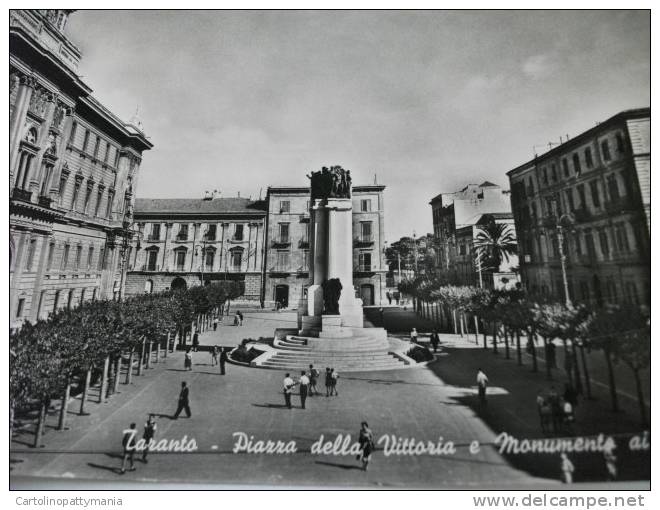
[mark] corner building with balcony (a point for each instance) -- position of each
(286, 265)
(594, 191)
(180, 243)
(73, 166)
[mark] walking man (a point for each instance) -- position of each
(388, 295)
(334, 375)
(214, 355)
(148, 435)
(215, 324)
(223, 360)
(313, 378)
(482, 383)
(240, 318)
(128, 442)
(184, 402)
(328, 381)
(195, 341)
(288, 385)
(304, 386)
(413, 336)
(567, 469)
(435, 340)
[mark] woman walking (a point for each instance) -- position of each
(328, 381)
(366, 441)
(187, 362)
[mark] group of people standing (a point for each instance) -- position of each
(218, 357)
(557, 413)
(307, 384)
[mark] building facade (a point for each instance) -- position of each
(182, 242)
(593, 192)
(286, 265)
(73, 166)
(458, 218)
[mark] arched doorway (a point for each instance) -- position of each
(282, 296)
(179, 283)
(367, 294)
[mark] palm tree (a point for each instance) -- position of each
(494, 243)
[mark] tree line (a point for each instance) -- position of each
(621, 331)
(101, 338)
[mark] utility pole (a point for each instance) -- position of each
(415, 250)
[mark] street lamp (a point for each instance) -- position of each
(204, 242)
(565, 221)
(127, 237)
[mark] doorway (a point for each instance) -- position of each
(179, 283)
(281, 296)
(367, 294)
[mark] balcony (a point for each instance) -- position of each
(181, 237)
(153, 237)
(45, 201)
(618, 206)
(582, 215)
(304, 218)
(281, 242)
(148, 267)
(237, 239)
(364, 268)
(364, 241)
(21, 194)
(303, 243)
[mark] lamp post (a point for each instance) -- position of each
(127, 237)
(415, 251)
(563, 222)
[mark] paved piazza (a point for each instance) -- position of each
(409, 403)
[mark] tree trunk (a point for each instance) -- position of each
(585, 370)
(476, 329)
(104, 380)
(610, 375)
(158, 351)
(485, 334)
(640, 397)
(507, 352)
(453, 317)
(167, 345)
(460, 321)
(495, 338)
(141, 363)
(519, 352)
(129, 372)
(11, 421)
(117, 374)
(41, 424)
(576, 368)
(149, 352)
(548, 367)
(83, 398)
(64, 408)
(532, 343)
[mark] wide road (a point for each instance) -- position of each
(407, 403)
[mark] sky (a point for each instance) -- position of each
(423, 102)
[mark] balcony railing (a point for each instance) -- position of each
(303, 243)
(45, 201)
(153, 237)
(364, 240)
(182, 237)
(21, 194)
(282, 241)
(364, 268)
(237, 239)
(149, 267)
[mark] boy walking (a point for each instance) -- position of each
(128, 442)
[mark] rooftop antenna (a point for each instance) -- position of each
(260, 193)
(375, 178)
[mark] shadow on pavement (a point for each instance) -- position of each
(336, 464)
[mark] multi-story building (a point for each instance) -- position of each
(458, 218)
(73, 166)
(594, 192)
(181, 242)
(286, 269)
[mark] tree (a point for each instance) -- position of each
(494, 243)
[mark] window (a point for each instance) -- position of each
(101, 264)
(620, 144)
(180, 260)
(576, 164)
(305, 260)
(107, 152)
(365, 205)
(45, 182)
(544, 172)
(604, 244)
(32, 246)
(90, 188)
(96, 147)
(65, 257)
(99, 198)
(86, 142)
(41, 302)
(116, 158)
(613, 187)
(208, 259)
(236, 259)
(183, 232)
(365, 231)
(152, 257)
(70, 300)
(461, 249)
(155, 232)
(587, 158)
(283, 232)
(149, 286)
(569, 200)
(72, 136)
(364, 261)
(285, 206)
(282, 260)
(564, 165)
(581, 196)
(211, 232)
(78, 256)
(530, 186)
(553, 173)
(578, 243)
(94, 295)
(108, 207)
(19, 309)
(51, 252)
(62, 187)
(595, 197)
(622, 238)
(605, 149)
(238, 232)
(90, 256)
(82, 297)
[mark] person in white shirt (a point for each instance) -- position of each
(413, 336)
(288, 385)
(304, 386)
(482, 383)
